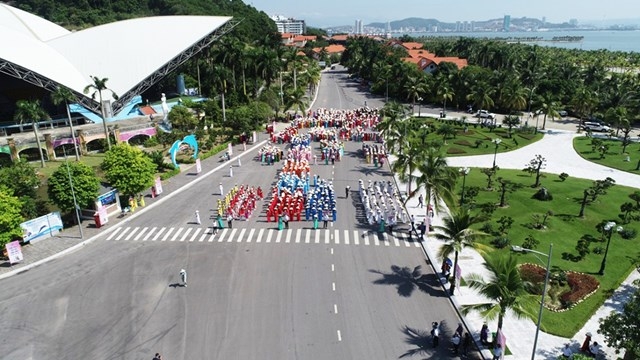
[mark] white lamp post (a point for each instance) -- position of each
(608, 227)
(497, 142)
(544, 290)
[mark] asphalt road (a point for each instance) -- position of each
(254, 292)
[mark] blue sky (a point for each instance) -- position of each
(344, 12)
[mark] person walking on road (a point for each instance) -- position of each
(435, 333)
(230, 171)
(347, 189)
(421, 201)
(221, 190)
(325, 220)
(229, 221)
(183, 277)
(157, 357)
(197, 217)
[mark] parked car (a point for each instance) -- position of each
(595, 126)
(563, 113)
(484, 114)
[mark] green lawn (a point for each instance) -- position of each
(564, 229)
(476, 140)
(614, 158)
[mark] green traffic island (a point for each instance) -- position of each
(461, 138)
(517, 214)
(612, 152)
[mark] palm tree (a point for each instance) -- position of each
(99, 85)
(481, 96)
(63, 95)
(504, 288)
(30, 110)
(444, 93)
(457, 233)
(549, 108)
(295, 99)
(406, 163)
(389, 126)
(437, 179)
(414, 87)
(616, 116)
(583, 103)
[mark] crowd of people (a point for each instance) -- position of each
(374, 153)
(269, 154)
(321, 203)
(240, 202)
(382, 204)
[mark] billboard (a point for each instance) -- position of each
(42, 227)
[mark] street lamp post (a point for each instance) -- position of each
(464, 172)
(608, 227)
(497, 142)
(544, 290)
(73, 193)
(419, 105)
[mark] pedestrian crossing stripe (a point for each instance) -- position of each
(330, 236)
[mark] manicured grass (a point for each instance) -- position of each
(564, 229)
(476, 140)
(614, 158)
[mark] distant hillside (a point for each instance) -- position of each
(79, 14)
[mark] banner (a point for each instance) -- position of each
(198, 166)
(230, 150)
(458, 272)
(158, 186)
(108, 198)
(102, 213)
(14, 251)
(42, 227)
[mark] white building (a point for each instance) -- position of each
(289, 25)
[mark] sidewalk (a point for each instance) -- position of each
(557, 147)
(69, 239)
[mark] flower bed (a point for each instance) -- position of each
(581, 285)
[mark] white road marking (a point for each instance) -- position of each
(260, 235)
(135, 229)
(298, 235)
(366, 239)
(307, 237)
(396, 241)
(333, 268)
(335, 308)
(288, 238)
(159, 233)
(279, 236)
(269, 235)
(317, 237)
(241, 235)
(184, 237)
(233, 233)
(346, 237)
(175, 236)
(339, 336)
(149, 233)
(114, 233)
(337, 236)
(166, 236)
(356, 237)
(376, 241)
(140, 234)
(250, 235)
(122, 234)
(327, 236)
(222, 232)
(333, 286)
(193, 238)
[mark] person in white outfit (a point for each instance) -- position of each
(221, 190)
(183, 277)
(197, 217)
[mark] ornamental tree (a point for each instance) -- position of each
(535, 166)
(10, 217)
(85, 186)
(128, 169)
(620, 329)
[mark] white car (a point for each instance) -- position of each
(484, 114)
(563, 113)
(594, 126)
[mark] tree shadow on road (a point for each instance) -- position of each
(422, 342)
(407, 280)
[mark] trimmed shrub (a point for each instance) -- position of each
(628, 233)
(454, 151)
(543, 195)
(500, 242)
(462, 143)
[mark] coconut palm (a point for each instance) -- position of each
(444, 93)
(30, 110)
(407, 162)
(437, 179)
(390, 126)
(295, 99)
(549, 107)
(505, 290)
(457, 234)
(99, 85)
(60, 96)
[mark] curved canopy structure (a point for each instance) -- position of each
(133, 54)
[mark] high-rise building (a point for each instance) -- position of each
(506, 24)
(289, 25)
(358, 28)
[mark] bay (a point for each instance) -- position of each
(612, 40)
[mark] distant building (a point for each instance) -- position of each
(573, 22)
(289, 25)
(506, 24)
(358, 28)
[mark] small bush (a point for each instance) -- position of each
(628, 233)
(478, 143)
(455, 151)
(598, 250)
(563, 176)
(582, 247)
(543, 195)
(500, 242)
(462, 143)
(487, 228)
(530, 242)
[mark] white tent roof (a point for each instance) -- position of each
(125, 52)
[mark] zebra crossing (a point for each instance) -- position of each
(253, 235)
